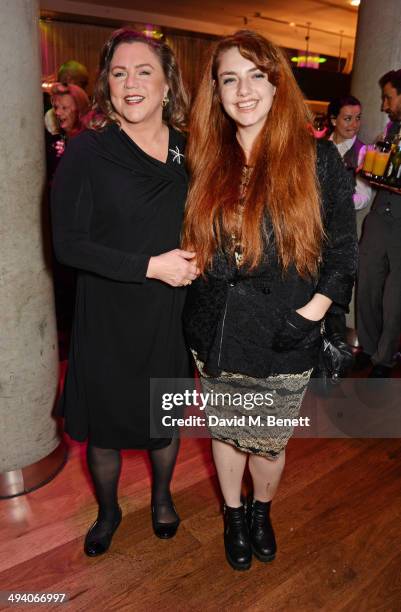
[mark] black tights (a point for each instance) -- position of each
(105, 466)
(163, 462)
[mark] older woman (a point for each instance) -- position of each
(271, 218)
(70, 104)
(118, 203)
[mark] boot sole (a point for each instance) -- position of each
(263, 558)
(238, 566)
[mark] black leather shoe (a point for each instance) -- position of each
(380, 371)
(261, 532)
(164, 531)
(95, 545)
(236, 538)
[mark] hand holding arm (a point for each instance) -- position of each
(175, 267)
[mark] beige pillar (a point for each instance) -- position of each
(30, 451)
(377, 50)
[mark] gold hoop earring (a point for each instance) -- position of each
(165, 101)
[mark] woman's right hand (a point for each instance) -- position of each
(176, 268)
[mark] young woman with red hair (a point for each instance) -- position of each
(271, 218)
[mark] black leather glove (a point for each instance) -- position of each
(336, 357)
(292, 331)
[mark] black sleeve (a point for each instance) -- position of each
(340, 251)
(72, 210)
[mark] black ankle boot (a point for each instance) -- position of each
(236, 538)
(98, 545)
(261, 531)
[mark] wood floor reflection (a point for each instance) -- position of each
(337, 517)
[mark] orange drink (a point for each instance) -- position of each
(369, 159)
(380, 162)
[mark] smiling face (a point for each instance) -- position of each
(66, 112)
(391, 102)
(137, 85)
(348, 122)
(245, 91)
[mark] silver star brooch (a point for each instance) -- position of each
(176, 154)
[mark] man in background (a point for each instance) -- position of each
(379, 275)
(73, 73)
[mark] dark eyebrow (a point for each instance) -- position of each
(226, 72)
(137, 66)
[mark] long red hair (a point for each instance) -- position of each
(283, 182)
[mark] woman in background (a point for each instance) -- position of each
(70, 104)
(345, 118)
(271, 218)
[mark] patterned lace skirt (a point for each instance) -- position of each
(249, 427)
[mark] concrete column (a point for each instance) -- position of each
(377, 50)
(29, 441)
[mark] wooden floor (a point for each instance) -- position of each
(337, 517)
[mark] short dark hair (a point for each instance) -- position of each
(174, 113)
(393, 77)
(333, 109)
(73, 72)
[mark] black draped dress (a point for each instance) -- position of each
(113, 207)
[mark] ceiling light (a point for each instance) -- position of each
(355, 2)
(312, 58)
(150, 33)
(292, 24)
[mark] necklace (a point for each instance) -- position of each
(236, 235)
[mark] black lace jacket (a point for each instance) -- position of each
(232, 317)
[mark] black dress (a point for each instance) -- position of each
(113, 207)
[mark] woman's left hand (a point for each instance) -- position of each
(316, 308)
(297, 324)
(295, 327)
